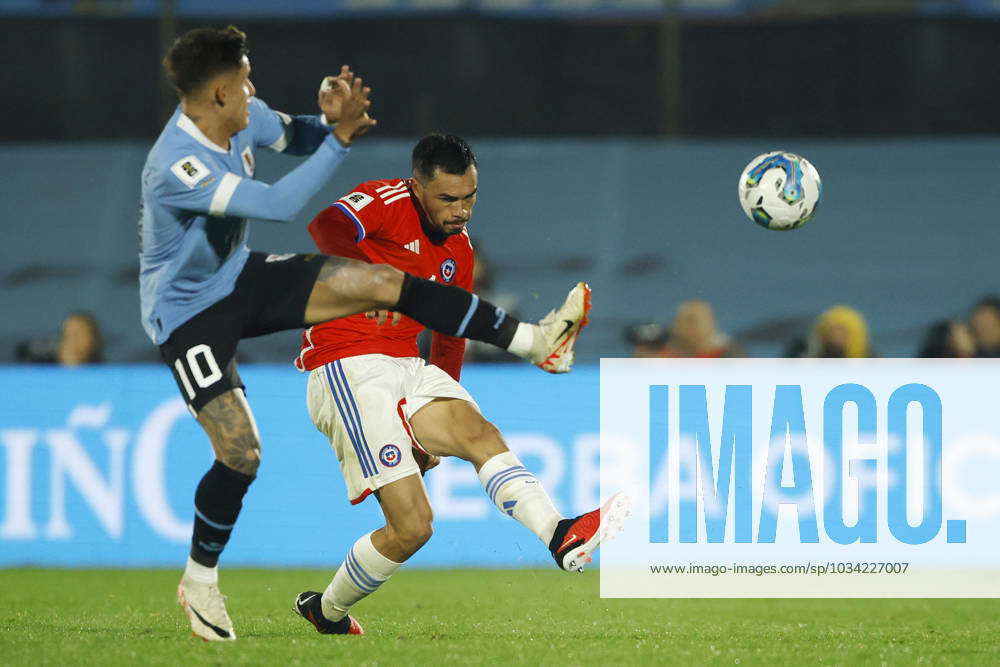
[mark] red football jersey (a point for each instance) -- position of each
(380, 222)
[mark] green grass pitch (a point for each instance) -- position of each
(487, 617)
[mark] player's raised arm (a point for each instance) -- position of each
(283, 200)
(231, 195)
(303, 135)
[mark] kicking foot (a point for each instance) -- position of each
(556, 334)
(308, 605)
(576, 539)
(205, 607)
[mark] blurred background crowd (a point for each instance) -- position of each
(838, 332)
(610, 135)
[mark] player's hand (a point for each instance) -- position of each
(425, 461)
(333, 91)
(380, 316)
(354, 119)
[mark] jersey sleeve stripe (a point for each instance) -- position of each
(281, 143)
(394, 191)
(396, 198)
(223, 193)
(350, 214)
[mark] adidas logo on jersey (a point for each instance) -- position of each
(413, 246)
(391, 193)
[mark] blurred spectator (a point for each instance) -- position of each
(985, 323)
(36, 351)
(841, 332)
(948, 338)
(648, 340)
(80, 341)
(693, 333)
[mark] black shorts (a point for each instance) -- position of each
(270, 295)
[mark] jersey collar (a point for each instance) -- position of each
(188, 126)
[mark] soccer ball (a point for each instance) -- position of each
(780, 190)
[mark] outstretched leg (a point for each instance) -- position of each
(453, 427)
(346, 287)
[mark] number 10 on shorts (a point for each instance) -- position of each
(204, 380)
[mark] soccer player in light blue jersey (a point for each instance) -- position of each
(202, 289)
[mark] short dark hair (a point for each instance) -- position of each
(446, 152)
(937, 342)
(200, 54)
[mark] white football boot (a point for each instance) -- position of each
(205, 606)
(556, 334)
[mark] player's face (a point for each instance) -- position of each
(239, 90)
(78, 341)
(447, 199)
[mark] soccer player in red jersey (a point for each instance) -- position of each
(383, 407)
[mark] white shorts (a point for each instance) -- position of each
(363, 405)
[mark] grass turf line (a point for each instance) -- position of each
(471, 617)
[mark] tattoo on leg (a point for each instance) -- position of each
(231, 429)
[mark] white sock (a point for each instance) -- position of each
(361, 573)
(518, 493)
(201, 573)
(523, 341)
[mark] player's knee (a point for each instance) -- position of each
(230, 427)
(418, 535)
(241, 454)
(413, 533)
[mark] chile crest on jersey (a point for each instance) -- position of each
(448, 270)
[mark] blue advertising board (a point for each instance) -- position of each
(98, 467)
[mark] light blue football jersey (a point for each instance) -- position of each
(197, 196)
